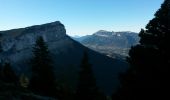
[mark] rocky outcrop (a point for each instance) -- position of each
(19, 39)
(17, 43)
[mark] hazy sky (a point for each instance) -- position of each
(80, 17)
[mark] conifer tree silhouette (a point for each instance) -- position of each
(148, 75)
(43, 78)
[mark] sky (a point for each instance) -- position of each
(80, 17)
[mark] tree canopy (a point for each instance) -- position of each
(148, 75)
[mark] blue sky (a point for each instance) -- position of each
(80, 17)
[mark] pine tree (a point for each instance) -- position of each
(8, 74)
(0, 70)
(43, 78)
(24, 81)
(87, 89)
(148, 75)
(1, 50)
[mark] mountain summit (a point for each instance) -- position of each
(18, 39)
(109, 42)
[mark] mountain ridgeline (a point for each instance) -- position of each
(66, 54)
(113, 44)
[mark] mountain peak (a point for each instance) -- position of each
(33, 28)
(23, 37)
(48, 25)
(53, 27)
(101, 31)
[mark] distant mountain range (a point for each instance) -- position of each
(17, 48)
(113, 44)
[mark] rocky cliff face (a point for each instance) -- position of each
(66, 53)
(17, 43)
(19, 39)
